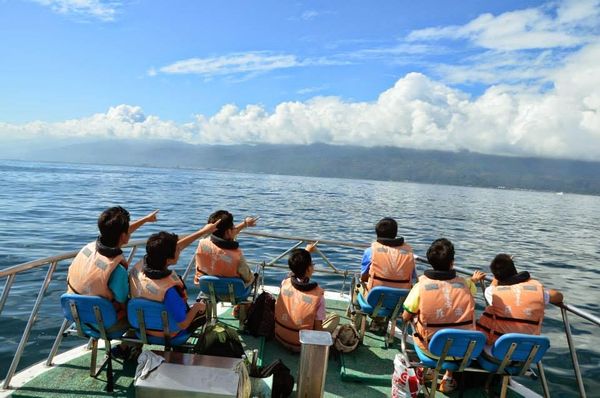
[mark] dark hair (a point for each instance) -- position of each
(386, 228)
(299, 261)
(112, 223)
(441, 254)
(160, 247)
(225, 224)
(503, 267)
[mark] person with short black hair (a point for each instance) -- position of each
(441, 299)
(220, 254)
(151, 278)
(100, 269)
(301, 303)
(389, 261)
(516, 301)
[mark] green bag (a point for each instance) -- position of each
(219, 340)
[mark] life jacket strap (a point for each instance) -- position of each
(489, 330)
(287, 327)
(504, 318)
(379, 278)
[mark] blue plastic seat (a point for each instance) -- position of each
(382, 301)
(513, 354)
(450, 349)
(219, 289)
(144, 315)
(96, 318)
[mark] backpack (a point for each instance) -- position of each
(261, 316)
(219, 340)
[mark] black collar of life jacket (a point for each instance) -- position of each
(224, 243)
(521, 277)
(395, 242)
(302, 284)
(107, 251)
(154, 273)
(440, 275)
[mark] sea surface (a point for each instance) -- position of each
(49, 208)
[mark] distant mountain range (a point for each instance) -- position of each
(321, 160)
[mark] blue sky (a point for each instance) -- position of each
(504, 77)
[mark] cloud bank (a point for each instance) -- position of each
(417, 112)
(102, 10)
(540, 67)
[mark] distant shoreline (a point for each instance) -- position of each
(278, 173)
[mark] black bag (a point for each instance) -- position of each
(261, 316)
(219, 340)
(283, 381)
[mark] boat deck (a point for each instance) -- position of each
(371, 361)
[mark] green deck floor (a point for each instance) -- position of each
(370, 361)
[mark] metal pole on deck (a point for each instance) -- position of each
(580, 385)
(29, 326)
(313, 363)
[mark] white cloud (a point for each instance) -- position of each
(250, 62)
(88, 9)
(572, 24)
(417, 112)
(309, 15)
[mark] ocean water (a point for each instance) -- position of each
(49, 208)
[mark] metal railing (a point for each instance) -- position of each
(52, 263)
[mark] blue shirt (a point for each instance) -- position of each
(118, 283)
(176, 306)
(366, 264)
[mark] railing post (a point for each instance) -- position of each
(30, 322)
(57, 342)
(573, 352)
(7, 286)
(189, 268)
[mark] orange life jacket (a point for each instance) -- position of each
(214, 261)
(90, 272)
(295, 310)
(516, 308)
(443, 304)
(391, 266)
(154, 289)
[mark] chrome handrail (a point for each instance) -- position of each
(53, 261)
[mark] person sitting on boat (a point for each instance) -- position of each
(516, 301)
(151, 278)
(441, 299)
(301, 303)
(99, 269)
(388, 262)
(220, 254)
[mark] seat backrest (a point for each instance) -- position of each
(391, 296)
(524, 345)
(85, 308)
(223, 287)
(460, 342)
(152, 315)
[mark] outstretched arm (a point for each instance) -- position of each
(187, 240)
(138, 223)
(478, 276)
(248, 222)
